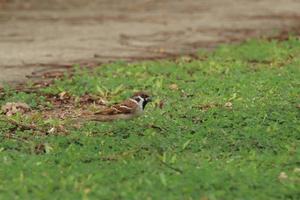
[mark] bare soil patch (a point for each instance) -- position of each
(42, 36)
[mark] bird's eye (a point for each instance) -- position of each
(137, 99)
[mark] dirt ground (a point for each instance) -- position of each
(38, 36)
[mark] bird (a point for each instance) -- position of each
(128, 109)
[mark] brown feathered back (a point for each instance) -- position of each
(125, 107)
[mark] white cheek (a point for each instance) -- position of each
(141, 104)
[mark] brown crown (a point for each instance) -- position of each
(144, 95)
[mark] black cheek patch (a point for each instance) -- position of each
(144, 103)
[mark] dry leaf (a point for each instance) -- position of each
(40, 149)
(228, 105)
(186, 58)
(52, 130)
(206, 107)
(12, 108)
(88, 99)
(62, 95)
(161, 104)
(297, 170)
(173, 86)
(282, 176)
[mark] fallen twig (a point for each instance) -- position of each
(171, 167)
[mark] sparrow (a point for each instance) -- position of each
(128, 109)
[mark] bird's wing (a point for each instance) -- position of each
(126, 107)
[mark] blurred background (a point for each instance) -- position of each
(46, 36)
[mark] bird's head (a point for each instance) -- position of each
(142, 98)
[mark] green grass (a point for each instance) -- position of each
(195, 147)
